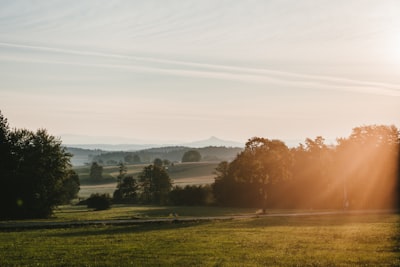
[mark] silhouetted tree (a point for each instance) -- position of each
(127, 187)
(127, 191)
(99, 201)
(122, 169)
(71, 187)
(36, 173)
(225, 186)
(247, 180)
(191, 195)
(367, 165)
(96, 171)
(155, 185)
(313, 184)
(191, 156)
(132, 158)
(158, 162)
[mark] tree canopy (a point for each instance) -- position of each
(246, 180)
(36, 173)
(127, 187)
(191, 156)
(361, 171)
(155, 185)
(96, 171)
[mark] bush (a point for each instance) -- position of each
(99, 201)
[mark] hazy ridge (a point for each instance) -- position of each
(212, 149)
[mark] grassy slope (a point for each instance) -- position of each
(368, 240)
(109, 172)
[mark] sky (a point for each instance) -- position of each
(111, 71)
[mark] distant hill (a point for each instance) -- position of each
(112, 147)
(214, 141)
(173, 154)
(82, 156)
(211, 149)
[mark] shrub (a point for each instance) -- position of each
(191, 195)
(99, 201)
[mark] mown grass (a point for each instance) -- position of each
(79, 213)
(124, 212)
(340, 240)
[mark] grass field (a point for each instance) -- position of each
(339, 240)
(120, 212)
(181, 174)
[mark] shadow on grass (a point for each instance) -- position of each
(194, 211)
(112, 230)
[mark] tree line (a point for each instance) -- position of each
(361, 171)
(173, 154)
(154, 186)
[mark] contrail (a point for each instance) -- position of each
(233, 73)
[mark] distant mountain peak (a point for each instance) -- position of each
(213, 141)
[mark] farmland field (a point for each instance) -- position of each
(335, 240)
(181, 174)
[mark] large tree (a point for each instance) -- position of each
(314, 183)
(127, 187)
(247, 180)
(36, 173)
(367, 163)
(127, 191)
(155, 184)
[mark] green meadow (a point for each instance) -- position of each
(124, 212)
(333, 240)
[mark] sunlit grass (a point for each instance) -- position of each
(362, 240)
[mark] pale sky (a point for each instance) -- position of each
(158, 71)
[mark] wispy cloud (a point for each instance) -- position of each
(206, 70)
